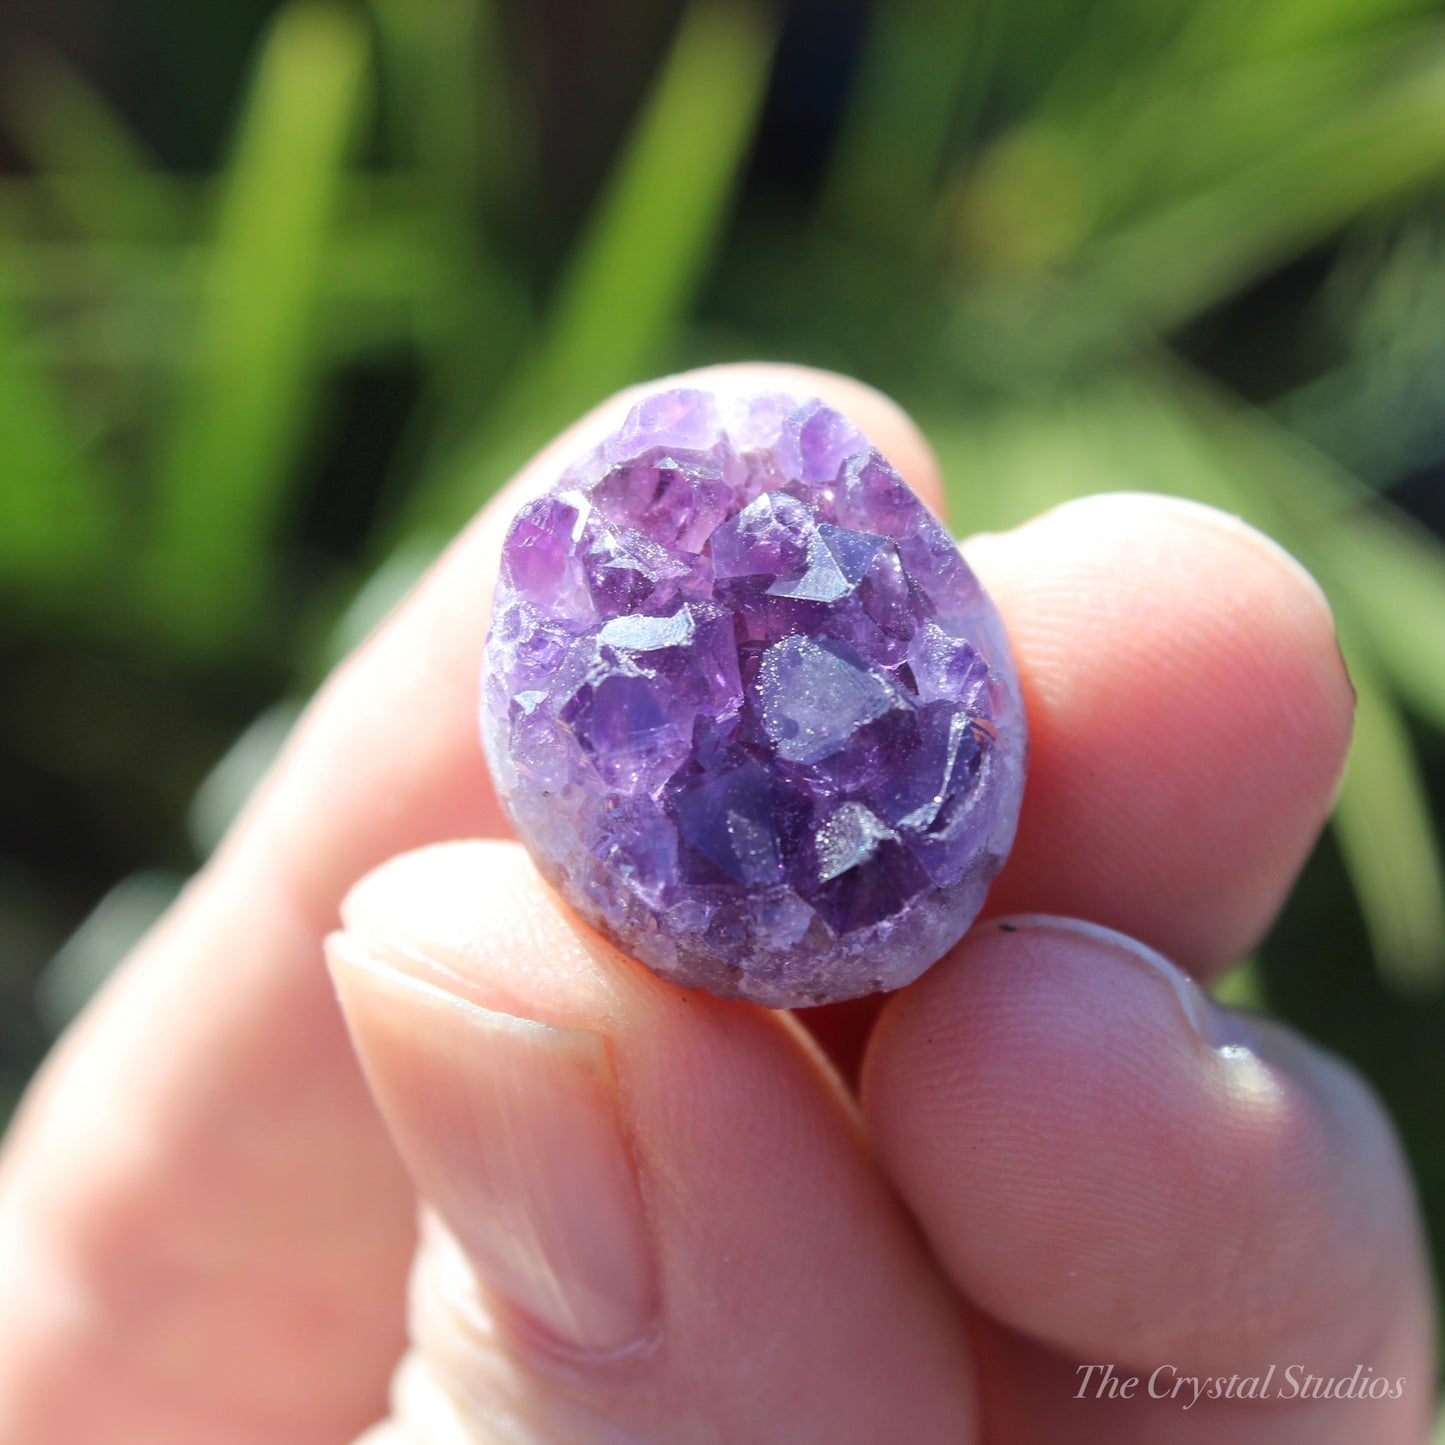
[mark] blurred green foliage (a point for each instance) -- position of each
(1191, 247)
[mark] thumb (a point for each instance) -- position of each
(510, 1130)
(648, 1214)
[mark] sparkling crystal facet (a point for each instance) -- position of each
(748, 707)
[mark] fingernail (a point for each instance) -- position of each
(512, 1132)
(1222, 1029)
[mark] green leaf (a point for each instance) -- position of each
(1095, 158)
(57, 510)
(112, 306)
(1242, 987)
(1383, 825)
(646, 246)
(1378, 412)
(631, 281)
(1173, 264)
(1222, 27)
(455, 125)
(454, 111)
(239, 420)
(1393, 574)
(1125, 433)
(885, 171)
(86, 156)
(1215, 163)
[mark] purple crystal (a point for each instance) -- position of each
(748, 707)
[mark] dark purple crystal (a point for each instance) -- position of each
(748, 707)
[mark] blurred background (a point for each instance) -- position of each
(287, 288)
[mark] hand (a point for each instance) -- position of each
(658, 1217)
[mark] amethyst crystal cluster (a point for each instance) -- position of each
(748, 707)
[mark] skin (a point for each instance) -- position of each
(908, 1219)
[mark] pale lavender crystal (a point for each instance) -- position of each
(748, 707)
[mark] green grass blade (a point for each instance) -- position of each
(108, 306)
(1242, 987)
(1378, 410)
(885, 171)
(1169, 266)
(57, 516)
(1094, 158)
(86, 156)
(455, 126)
(1221, 28)
(1383, 826)
(1393, 574)
(240, 419)
(1119, 434)
(631, 281)
(643, 254)
(454, 111)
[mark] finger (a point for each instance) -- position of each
(1117, 1169)
(1189, 716)
(239, 1207)
(657, 1217)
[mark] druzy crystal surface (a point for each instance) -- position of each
(748, 707)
